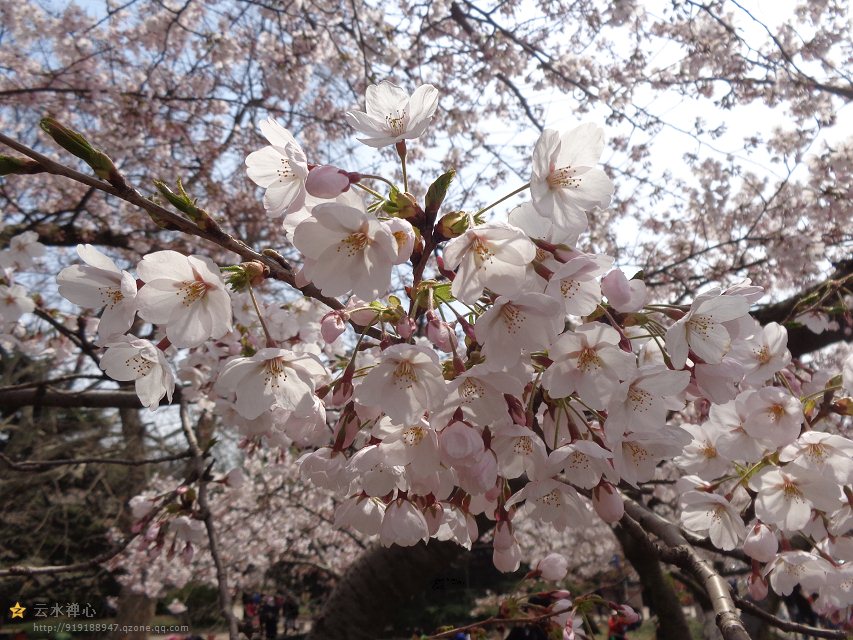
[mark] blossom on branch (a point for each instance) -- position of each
(129, 358)
(392, 115)
(280, 168)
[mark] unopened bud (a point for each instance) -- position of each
(452, 225)
(20, 166)
(74, 142)
(608, 503)
(327, 182)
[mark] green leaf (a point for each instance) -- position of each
(438, 191)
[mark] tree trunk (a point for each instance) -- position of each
(135, 610)
(361, 605)
(672, 624)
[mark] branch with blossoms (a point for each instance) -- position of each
(516, 375)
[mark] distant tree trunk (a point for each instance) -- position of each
(375, 585)
(134, 609)
(672, 624)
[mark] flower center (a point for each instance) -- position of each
(192, 292)
(139, 365)
(588, 360)
(354, 243)
(396, 123)
(275, 372)
(110, 297)
(285, 171)
(404, 375)
(512, 317)
(563, 178)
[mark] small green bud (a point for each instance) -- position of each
(452, 225)
(437, 192)
(20, 166)
(74, 142)
(242, 275)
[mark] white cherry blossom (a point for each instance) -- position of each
(271, 376)
(511, 327)
(589, 361)
(406, 382)
(565, 183)
(129, 358)
(186, 294)
(711, 514)
(701, 330)
(100, 283)
(493, 255)
(14, 302)
(22, 251)
(392, 115)
(346, 249)
(280, 168)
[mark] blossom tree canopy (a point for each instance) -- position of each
(451, 359)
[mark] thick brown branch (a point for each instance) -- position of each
(96, 398)
(675, 549)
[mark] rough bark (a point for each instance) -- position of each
(374, 586)
(672, 624)
(135, 610)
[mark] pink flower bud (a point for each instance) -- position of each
(608, 503)
(438, 332)
(327, 182)
(623, 294)
(761, 543)
(756, 586)
(553, 567)
(333, 325)
(406, 327)
(628, 613)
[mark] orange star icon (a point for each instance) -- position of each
(17, 611)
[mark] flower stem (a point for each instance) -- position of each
(401, 151)
(506, 197)
(269, 340)
(380, 178)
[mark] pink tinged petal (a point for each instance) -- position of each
(544, 152)
(708, 339)
(581, 146)
(594, 189)
(91, 256)
(169, 265)
(423, 103)
(264, 166)
(455, 250)
(724, 308)
(276, 134)
(157, 301)
(283, 198)
(385, 98)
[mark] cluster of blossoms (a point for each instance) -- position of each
(524, 378)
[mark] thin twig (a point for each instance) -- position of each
(38, 465)
(207, 516)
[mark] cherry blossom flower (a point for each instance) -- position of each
(733, 441)
(346, 249)
(791, 568)
(588, 361)
(507, 553)
(403, 524)
(636, 456)
(525, 323)
(186, 294)
(281, 169)
(773, 415)
(760, 543)
(608, 503)
(271, 376)
(552, 501)
(623, 295)
(362, 513)
(709, 513)
(701, 456)
(493, 255)
(518, 450)
(583, 462)
(22, 251)
(565, 182)
(100, 283)
(701, 330)
(640, 402)
(129, 358)
(392, 115)
(575, 283)
(553, 567)
(764, 353)
(406, 382)
(14, 302)
(822, 453)
(786, 498)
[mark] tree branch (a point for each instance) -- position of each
(675, 549)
